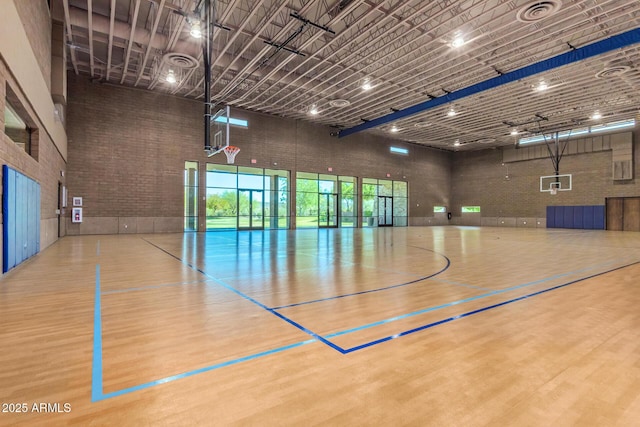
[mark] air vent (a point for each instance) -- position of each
(180, 60)
(537, 10)
(612, 71)
(422, 124)
(339, 103)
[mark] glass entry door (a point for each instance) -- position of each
(250, 209)
(327, 210)
(385, 211)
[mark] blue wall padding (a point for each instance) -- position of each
(599, 218)
(21, 218)
(578, 217)
(551, 217)
(568, 216)
(587, 217)
(559, 214)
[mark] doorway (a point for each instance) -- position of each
(385, 211)
(327, 210)
(250, 209)
(623, 213)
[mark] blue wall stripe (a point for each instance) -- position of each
(612, 43)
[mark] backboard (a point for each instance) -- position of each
(554, 183)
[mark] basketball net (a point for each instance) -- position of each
(230, 151)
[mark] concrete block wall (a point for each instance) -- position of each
(509, 193)
(47, 170)
(127, 149)
(36, 20)
(47, 166)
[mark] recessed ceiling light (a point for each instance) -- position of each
(457, 41)
(596, 115)
(171, 77)
(456, 143)
(514, 132)
(366, 84)
(196, 31)
(313, 110)
(542, 86)
(394, 128)
(451, 112)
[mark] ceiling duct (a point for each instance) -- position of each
(538, 10)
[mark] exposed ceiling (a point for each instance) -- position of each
(283, 56)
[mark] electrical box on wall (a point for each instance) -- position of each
(76, 215)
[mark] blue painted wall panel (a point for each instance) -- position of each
(551, 216)
(587, 217)
(598, 218)
(578, 213)
(21, 218)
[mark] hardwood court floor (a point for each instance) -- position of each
(442, 326)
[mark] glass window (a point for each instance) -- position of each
(385, 188)
(255, 182)
(190, 196)
(325, 200)
(348, 203)
(382, 200)
(399, 189)
(17, 124)
(248, 198)
(470, 209)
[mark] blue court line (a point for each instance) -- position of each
(97, 378)
(96, 367)
(144, 288)
(254, 301)
(202, 370)
(451, 282)
(420, 279)
(480, 310)
(458, 302)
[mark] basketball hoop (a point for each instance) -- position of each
(230, 151)
(553, 191)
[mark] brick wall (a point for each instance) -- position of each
(46, 170)
(479, 178)
(127, 149)
(36, 21)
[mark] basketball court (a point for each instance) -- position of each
(490, 324)
(304, 212)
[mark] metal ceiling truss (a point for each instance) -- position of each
(276, 57)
